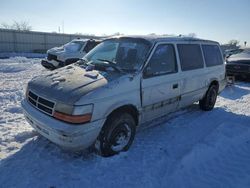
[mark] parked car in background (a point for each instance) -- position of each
(69, 53)
(120, 85)
(230, 52)
(239, 65)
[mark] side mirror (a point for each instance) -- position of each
(147, 72)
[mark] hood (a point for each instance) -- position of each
(56, 50)
(244, 56)
(67, 84)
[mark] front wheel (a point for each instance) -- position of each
(208, 101)
(117, 134)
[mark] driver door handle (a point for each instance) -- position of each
(175, 86)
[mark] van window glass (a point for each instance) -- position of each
(212, 55)
(129, 54)
(190, 56)
(163, 61)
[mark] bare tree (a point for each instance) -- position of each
(116, 34)
(234, 42)
(20, 26)
(5, 26)
(193, 35)
(78, 33)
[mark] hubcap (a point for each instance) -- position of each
(120, 137)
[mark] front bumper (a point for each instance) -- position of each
(48, 65)
(238, 73)
(51, 65)
(73, 137)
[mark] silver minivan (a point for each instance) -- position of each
(121, 84)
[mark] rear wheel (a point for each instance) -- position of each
(208, 101)
(117, 134)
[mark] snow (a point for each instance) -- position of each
(22, 54)
(189, 148)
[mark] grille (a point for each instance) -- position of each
(41, 103)
(52, 57)
(238, 67)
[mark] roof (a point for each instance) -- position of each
(160, 38)
(80, 39)
(85, 40)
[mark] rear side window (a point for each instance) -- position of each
(190, 56)
(212, 55)
(163, 61)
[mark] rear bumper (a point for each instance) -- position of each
(73, 137)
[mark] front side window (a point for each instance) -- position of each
(212, 55)
(163, 61)
(190, 56)
(89, 46)
(128, 54)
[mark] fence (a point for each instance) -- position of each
(31, 41)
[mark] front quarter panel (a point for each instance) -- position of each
(120, 92)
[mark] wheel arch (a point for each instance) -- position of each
(129, 108)
(215, 83)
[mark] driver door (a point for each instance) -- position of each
(160, 85)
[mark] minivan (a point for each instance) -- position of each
(120, 85)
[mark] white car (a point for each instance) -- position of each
(69, 53)
(121, 84)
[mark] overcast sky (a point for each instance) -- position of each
(219, 20)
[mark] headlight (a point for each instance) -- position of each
(74, 114)
(79, 110)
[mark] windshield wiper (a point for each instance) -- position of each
(112, 64)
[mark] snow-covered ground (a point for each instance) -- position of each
(4, 55)
(190, 148)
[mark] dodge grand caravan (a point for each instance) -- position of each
(121, 84)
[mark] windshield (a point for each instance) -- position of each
(73, 46)
(127, 54)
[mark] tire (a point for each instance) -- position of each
(117, 134)
(208, 101)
